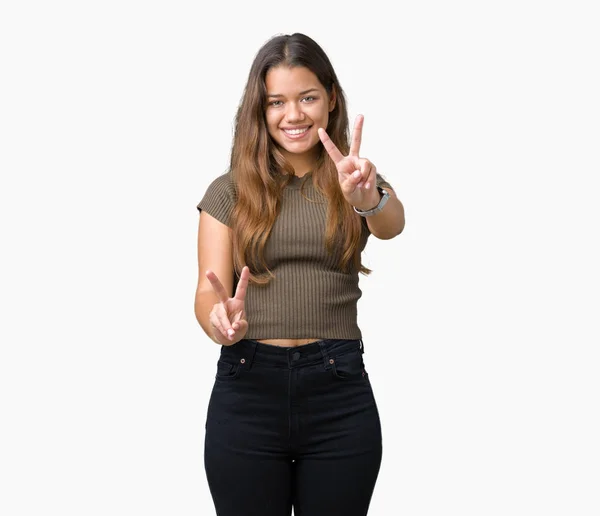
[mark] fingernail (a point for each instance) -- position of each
(230, 333)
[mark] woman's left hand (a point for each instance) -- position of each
(357, 175)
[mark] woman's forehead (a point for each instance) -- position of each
(283, 80)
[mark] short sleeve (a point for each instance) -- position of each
(219, 198)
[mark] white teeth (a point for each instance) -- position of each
(296, 131)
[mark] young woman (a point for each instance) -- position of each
(292, 420)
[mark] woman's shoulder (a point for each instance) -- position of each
(219, 198)
(222, 186)
(223, 181)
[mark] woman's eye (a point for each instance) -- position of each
(275, 103)
(309, 98)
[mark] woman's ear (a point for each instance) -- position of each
(332, 98)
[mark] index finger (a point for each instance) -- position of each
(330, 147)
(217, 286)
(240, 291)
(356, 135)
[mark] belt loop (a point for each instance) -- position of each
(251, 353)
(325, 354)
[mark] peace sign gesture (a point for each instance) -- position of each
(356, 175)
(228, 318)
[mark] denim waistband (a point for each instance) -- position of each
(248, 351)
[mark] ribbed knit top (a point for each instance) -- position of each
(310, 297)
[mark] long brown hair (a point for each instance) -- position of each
(257, 164)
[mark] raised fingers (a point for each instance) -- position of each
(330, 147)
(240, 291)
(217, 286)
(356, 135)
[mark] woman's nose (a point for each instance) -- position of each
(294, 112)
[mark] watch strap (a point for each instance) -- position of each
(385, 196)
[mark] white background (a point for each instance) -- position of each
(480, 320)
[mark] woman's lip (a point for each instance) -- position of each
(296, 136)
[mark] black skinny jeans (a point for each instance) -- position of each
(294, 427)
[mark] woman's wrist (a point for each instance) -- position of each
(372, 204)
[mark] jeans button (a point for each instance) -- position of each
(296, 356)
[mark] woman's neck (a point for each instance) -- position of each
(302, 164)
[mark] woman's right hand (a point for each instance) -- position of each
(228, 318)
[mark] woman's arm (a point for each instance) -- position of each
(215, 253)
(389, 222)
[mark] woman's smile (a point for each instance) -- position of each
(296, 133)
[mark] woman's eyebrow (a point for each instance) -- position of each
(275, 95)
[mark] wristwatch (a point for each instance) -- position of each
(384, 198)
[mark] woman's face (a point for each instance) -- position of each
(297, 105)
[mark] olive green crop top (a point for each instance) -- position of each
(310, 297)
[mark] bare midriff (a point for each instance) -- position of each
(288, 343)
